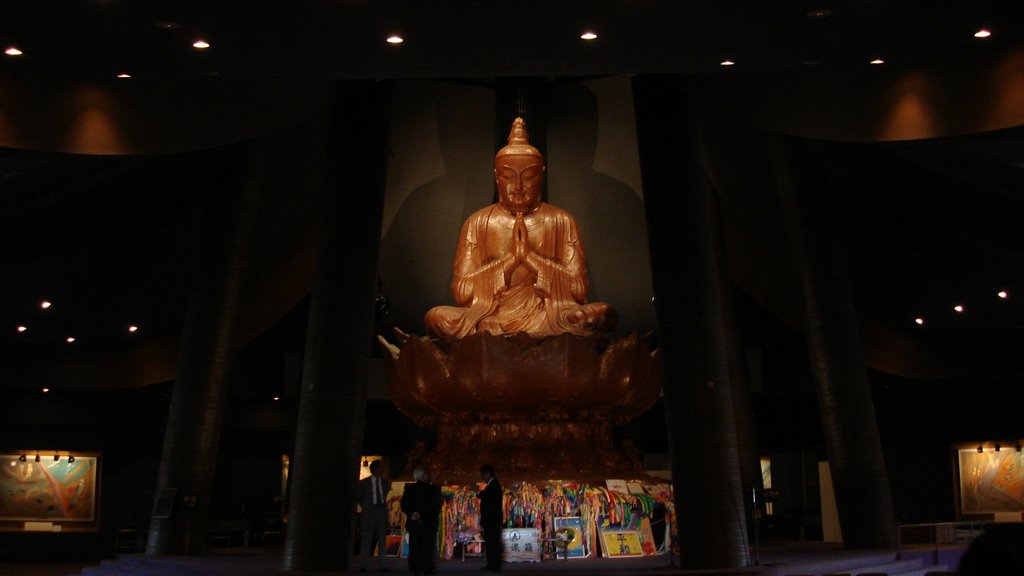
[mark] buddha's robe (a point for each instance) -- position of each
(549, 302)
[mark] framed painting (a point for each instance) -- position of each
(572, 528)
(39, 487)
(991, 482)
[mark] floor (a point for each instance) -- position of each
(42, 568)
(261, 562)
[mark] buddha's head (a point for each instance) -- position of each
(519, 171)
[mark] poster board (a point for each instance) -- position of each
(57, 491)
(165, 503)
(766, 472)
(991, 482)
(619, 486)
(521, 544)
(621, 543)
(574, 548)
(394, 545)
(831, 531)
(647, 538)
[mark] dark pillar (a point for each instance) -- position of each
(329, 435)
(188, 461)
(836, 357)
(743, 409)
(687, 276)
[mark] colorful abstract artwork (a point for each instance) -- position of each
(48, 490)
(991, 481)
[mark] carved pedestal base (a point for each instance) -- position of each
(525, 450)
(533, 408)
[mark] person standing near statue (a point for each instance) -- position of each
(421, 503)
(491, 518)
(373, 493)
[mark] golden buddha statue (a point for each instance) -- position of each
(520, 266)
(505, 374)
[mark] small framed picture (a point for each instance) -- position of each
(621, 543)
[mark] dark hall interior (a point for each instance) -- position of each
(120, 196)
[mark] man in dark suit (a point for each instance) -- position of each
(491, 518)
(373, 493)
(421, 503)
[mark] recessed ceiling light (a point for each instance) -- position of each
(13, 51)
(727, 63)
(276, 398)
(588, 35)
(983, 33)
(168, 25)
(201, 44)
(71, 339)
(820, 13)
(958, 308)
(124, 75)
(395, 39)
(1003, 294)
(45, 304)
(22, 328)
(919, 321)
(878, 61)
(133, 328)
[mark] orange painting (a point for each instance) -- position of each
(991, 481)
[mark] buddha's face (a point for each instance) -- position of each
(519, 178)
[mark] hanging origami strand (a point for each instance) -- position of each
(529, 505)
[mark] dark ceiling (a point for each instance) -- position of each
(105, 240)
(927, 224)
(98, 39)
(956, 205)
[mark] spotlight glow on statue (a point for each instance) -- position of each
(520, 266)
